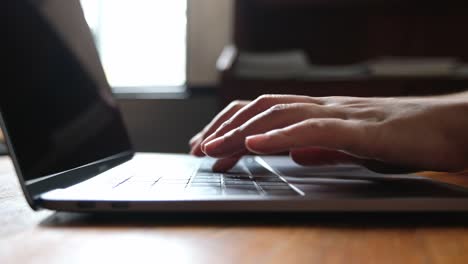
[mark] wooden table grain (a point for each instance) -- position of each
(47, 237)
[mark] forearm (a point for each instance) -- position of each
(459, 96)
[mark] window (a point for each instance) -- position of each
(142, 43)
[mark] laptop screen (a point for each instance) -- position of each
(56, 106)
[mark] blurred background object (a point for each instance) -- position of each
(345, 47)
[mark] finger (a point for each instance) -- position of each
(344, 135)
(277, 116)
(196, 150)
(195, 138)
(255, 107)
(220, 118)
(387, 168)
(194, 142)
(224, 115)
(225, 164)
(313, 156)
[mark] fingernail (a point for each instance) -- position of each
(257, 138)
(204, 142)
(212, 147)
(192, 144)
(202, 147)
(194, 138)
(192, 141)
(252, 142)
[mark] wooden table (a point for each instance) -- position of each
(48, 237)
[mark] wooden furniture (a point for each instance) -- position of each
(340, 32)
(47, 237)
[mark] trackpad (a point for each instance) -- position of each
(352, 181)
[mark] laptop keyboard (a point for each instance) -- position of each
(246, 178)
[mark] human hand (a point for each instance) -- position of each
(416, 133)
(221, 120)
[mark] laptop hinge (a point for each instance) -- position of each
(75, 176)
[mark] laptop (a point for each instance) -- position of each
(71, 150)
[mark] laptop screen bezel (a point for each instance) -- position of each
(33, 189)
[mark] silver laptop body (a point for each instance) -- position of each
(71, 150)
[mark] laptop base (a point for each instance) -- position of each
(341, 188)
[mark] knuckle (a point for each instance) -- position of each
(332, 100)
(235, 133)
(221, 129)
(342, 100)
(287, 133)
(237, 102)
(368, 114)
(314, 124)
(289, 136)
(206, 130)
(303, 106)
(265, 96)
(278, 108)
(265, 99)
(225, 124)
(235, 106)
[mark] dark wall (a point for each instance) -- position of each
(349, 31)
(166, 125)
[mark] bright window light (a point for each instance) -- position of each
(142, 43)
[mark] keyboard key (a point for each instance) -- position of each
(236, 183)
(236, 179)
(144, 178)
(172, 181)
(206, 184)
(176, 178)
(206, 165)
(236, 176)
(268, 179)
(272, 183)
(203, 190)
(238, 169)
(197, 180)
(241, 192)
(257, 169)
(240, 187)
(208, 175)
(275, 187)
(290, 192)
